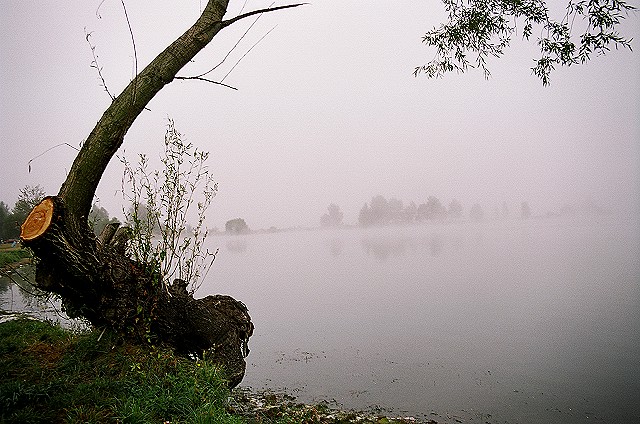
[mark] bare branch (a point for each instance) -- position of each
(259, 11)
(206, 80)
(232, 49)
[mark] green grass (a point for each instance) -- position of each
(49, 375)
(10, 256)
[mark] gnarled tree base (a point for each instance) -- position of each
(96, 280)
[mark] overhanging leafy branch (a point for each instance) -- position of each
(484, 28)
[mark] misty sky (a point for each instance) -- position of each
(327, 110)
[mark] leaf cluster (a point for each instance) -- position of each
(479, 29)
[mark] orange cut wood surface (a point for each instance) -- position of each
(38, 220)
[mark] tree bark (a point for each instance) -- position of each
(94, 276)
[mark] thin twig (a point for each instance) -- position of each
(246, 53)
(244, 5)
(50, 148)
(206, 80)
(98, 10)
(94, 63)
(135, 53)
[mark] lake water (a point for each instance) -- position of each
(533, 321)
(17, 295)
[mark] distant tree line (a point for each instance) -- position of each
(380, 211)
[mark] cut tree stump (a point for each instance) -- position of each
(38, 220)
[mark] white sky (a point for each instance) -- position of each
(327, 111)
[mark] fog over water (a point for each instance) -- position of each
(511, 321)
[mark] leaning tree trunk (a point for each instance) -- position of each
(94, 277)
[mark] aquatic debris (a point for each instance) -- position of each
(270, 407)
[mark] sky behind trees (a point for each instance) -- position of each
(327, 111)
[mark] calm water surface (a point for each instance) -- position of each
(519, 321)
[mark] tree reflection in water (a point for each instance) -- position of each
(385, 246)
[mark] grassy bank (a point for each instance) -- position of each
(48, 375)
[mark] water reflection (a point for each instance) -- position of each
(336, 246)
(435, 245)
(19, 296)
(385, 246)
(17, 279)
(237, 245)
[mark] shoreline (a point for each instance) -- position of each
(268, 406)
